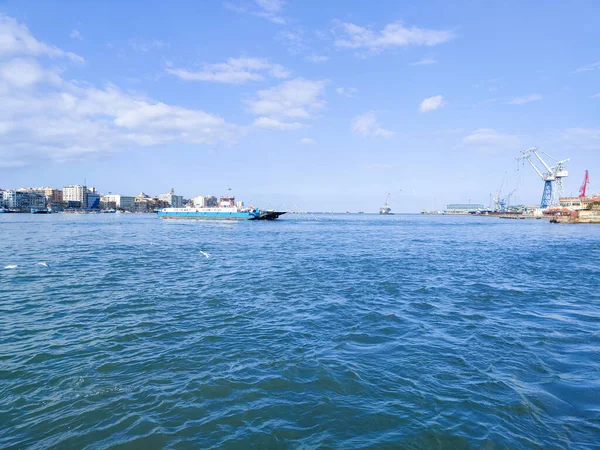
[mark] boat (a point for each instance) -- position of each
(385, 209)
(226, 210)
(2, 211)
(40, 211)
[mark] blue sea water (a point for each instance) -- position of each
(314, 331)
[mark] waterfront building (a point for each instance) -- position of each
(464, 208)
(205, 201)
(174, 201)
(93, 200)
(117, 201)
(53, 195)
(579, 202)
(23, 199)
(145, 203)
(2, 206)
(75, 195)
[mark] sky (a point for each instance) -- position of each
(304, 105)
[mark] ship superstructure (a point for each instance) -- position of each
(226, 210)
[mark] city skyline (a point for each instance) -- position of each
(294, 106)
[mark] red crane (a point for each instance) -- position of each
(584, 186)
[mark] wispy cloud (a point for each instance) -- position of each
(296, 99)
(75, 34)
(596, 95)
(15, 39)
(233, 71)
(589, 67)
(431, 103)
(272, 123)
(307, 141)
(267, 9)
(346, 92)
(144, 45)
(317, 58)
(424, 62)
(586, 138)
(349, 35)
(488, 138)
(366, 125)
(525, 99)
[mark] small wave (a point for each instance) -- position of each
(11, 266)
(43, 264)
(205, 254)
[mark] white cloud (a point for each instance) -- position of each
(317, 58)
(585, 138)
(15, 39)
(424, 62)
(24, 72)
(346, 92)
(394, 34)
(275, 124)
(233, 71)
(588, 68)
(431, 103)
(596, 95)
(145, 46)
(525, 99)
(366, 125)
(488, 138)
(267, 9)
(294, 99)
(271, 10)
(47, 117)
(307, 141)
(75, 34)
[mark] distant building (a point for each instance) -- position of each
(116, 201)
(174, 201)
(53, 195)
(75, 195)
(145, 203)
(464, 208)
(23, 200)
(205, 201)
(578, 202)
(93, 200)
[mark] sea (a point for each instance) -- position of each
(315, 331)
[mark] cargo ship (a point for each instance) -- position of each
(226, 210)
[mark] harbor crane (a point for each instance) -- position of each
(500, 203)
(552, 176)
(585, 185)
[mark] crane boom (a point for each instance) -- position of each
(584, 186)
(537, 155)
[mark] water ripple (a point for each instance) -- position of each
(314, 331)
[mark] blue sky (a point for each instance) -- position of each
(304, 105)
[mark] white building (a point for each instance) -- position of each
(125, 202)
(76, 193)
(174, 201)
(205, 201)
